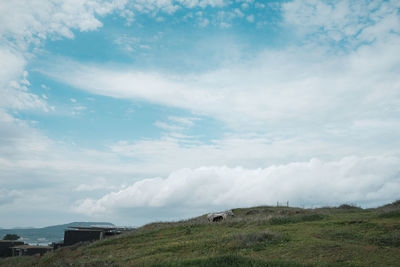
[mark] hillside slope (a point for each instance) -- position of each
(259, 236)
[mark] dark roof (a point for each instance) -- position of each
(99, 228)
(30, 246)
(84, 230)
(10, 241)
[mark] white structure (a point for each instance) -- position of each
(216, 217)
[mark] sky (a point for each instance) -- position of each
(133, 111)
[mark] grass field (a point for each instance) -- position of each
(258, 236)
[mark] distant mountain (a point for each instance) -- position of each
(46, 235)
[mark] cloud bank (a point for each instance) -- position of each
(369, 180)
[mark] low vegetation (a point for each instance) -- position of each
(11, 237)
(260, 236)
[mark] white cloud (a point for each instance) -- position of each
(299, 84)
(307, 102)
(171, 6)
(250, 18)
(128, 15)
(33, 21)
(367, 181)
(176, 124)
(29, 158)
(393, 125)
(79, 108)
(204, 22)
(238, 12)
(7, 197)
(225, 18)
(96, 184)
(225, 25)
(14, 83)
(245, 5)
(172, 152)
(188, 121)
(167, 126)
(26, 24)
(352, 21)
(259, 5)
(15, 64)
(129, 43)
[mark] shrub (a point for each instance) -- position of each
(296, 219)
(348, 207)
(390, 239)
(229, 260)
(11, 237)
(390, 214)
(257, 239)
(347, 234)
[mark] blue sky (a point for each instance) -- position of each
(132, 111)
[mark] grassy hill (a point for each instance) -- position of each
(259, 236)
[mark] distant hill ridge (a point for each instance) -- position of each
(46, 235)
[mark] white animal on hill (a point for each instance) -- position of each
(216, 217)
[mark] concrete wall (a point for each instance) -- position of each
(5, 247)
(75, 236)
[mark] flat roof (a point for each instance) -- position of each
(99, 228)
(31, 246)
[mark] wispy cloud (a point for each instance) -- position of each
(167, 126)
(188, 121)
(299, 83)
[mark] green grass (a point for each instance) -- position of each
(390, 214)
(229, 260)
(296, 218)
(258, 236)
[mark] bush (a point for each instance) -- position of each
(229, 260)
(390, 214)
(346, 234)
(348, 207)
(390, 239)
(257, 240)
(11, 237)
(296, 219)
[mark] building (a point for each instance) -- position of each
(88, 234)
(25, 250)
(76, 235)
(6, 245)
